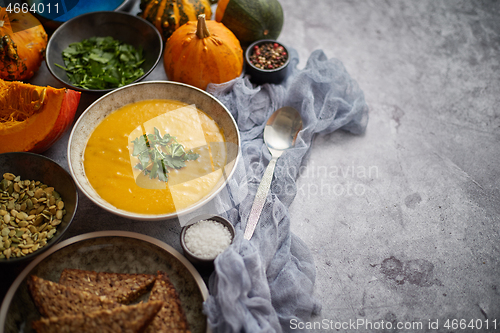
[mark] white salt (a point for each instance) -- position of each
(207, 238)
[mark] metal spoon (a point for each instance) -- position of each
(280, 134)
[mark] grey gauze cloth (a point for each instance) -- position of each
(263, 284)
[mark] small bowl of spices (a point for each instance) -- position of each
(267, 61)
(205, 237)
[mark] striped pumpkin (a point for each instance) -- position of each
(168, 15)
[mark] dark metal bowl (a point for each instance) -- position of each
(195, 260)
(125, 27)
(38, 167)
(261, 76)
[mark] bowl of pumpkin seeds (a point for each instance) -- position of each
(38, 200)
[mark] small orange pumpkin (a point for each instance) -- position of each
(22, 45)
(203, 52)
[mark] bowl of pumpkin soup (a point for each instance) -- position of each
(153, 150)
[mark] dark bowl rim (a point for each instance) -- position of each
(34, 255)
(109, 12)
(262, 41)
(196, 219)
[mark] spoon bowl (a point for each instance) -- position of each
(280, 134)
(282, 128)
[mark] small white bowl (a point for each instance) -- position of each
(192, 257)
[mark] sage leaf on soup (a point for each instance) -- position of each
(157, 153)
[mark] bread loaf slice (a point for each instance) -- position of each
(119, 287)
(126, 319)
(53, 299)
(171, 317)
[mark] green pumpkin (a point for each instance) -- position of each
(251, 20)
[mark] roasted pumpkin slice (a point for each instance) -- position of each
(33, 118)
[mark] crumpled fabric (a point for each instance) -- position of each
(267, 283)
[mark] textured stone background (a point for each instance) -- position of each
(403, 221)
(416, 238)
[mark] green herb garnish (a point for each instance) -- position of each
(156, 154)
(102, 63)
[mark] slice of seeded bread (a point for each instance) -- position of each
(53, 299)
(171, 317)
(119, 287)
(126, 319)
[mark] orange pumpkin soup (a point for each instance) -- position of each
(114, 172)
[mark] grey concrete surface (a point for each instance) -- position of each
(403, 222)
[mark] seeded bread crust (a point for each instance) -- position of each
(53, 299)
(119, 287)
(126, 319)
(171, 317)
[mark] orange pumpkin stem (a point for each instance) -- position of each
(202, 30)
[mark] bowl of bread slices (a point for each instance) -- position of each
(120, 281)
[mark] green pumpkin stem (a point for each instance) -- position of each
(202, 30)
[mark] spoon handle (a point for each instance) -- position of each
(260, 199)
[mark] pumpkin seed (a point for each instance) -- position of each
(38, 220)
(42, 228)
(51, 233)
(22, 216)
(38, 193)
(30, 212)
(9, 176)
(55, 222)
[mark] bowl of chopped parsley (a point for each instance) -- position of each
(102, 51)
